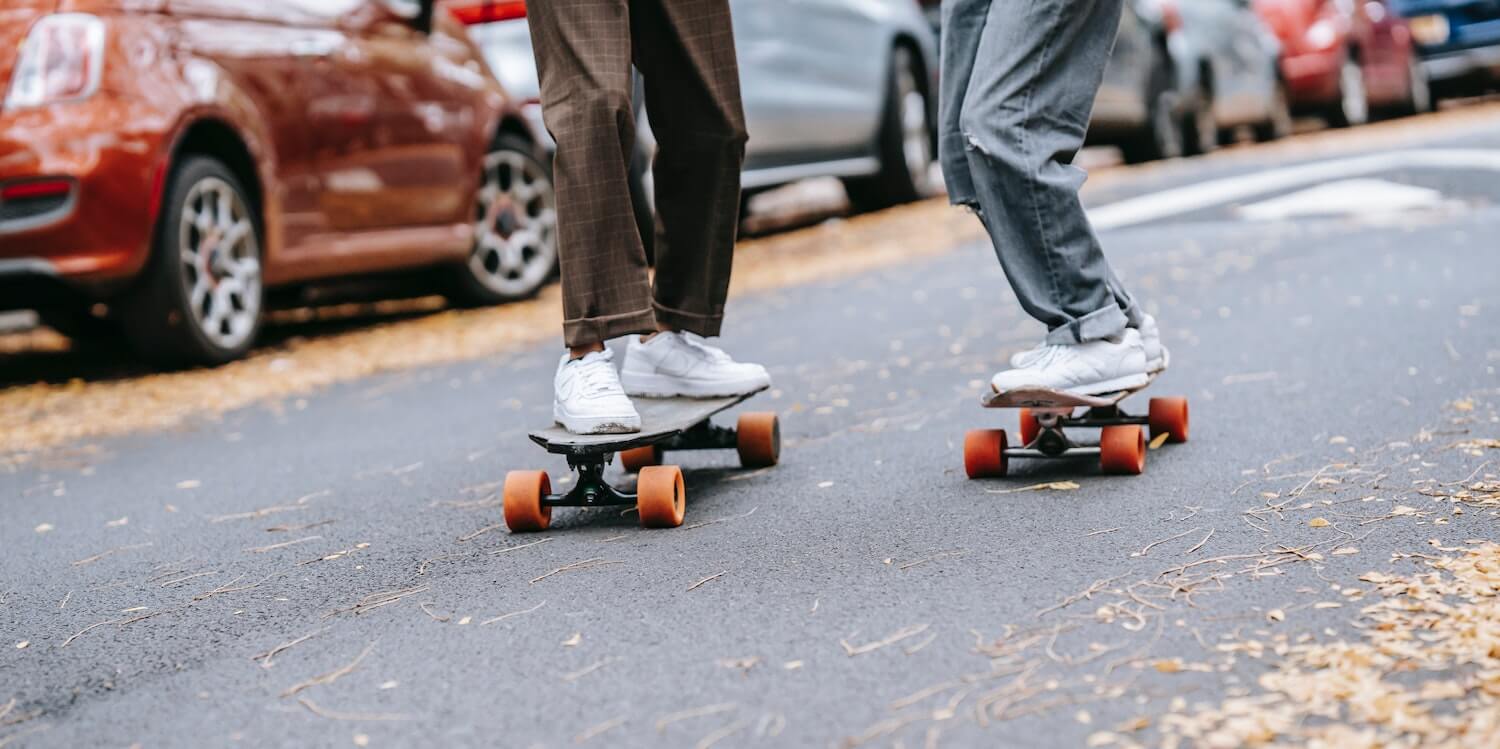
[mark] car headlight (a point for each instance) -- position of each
(1429, 31)
(62, 59)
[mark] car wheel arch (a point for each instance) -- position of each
(211, 135)
(925, 77)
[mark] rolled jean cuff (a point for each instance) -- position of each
(693, 322)
(589, 330)
(1104, 323)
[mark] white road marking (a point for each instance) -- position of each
(1347, 197)
(1198, 196)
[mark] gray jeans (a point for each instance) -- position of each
(1018, 83)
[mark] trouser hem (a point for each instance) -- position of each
(584, 331)
(693, 322)
(1105, 323)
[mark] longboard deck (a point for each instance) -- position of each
(661, 419)
(1049, 398)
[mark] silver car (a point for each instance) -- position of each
(832, 88)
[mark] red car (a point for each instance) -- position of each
(165, 163)
(1344, 59)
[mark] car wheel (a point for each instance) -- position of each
(1353, 105)
(905, 142)
(1278, 122)
(1162, 137)
(1200, 129)
(515, 228)
(1420, 99)
(199, 299)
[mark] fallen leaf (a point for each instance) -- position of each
(572, 642)
(1338, 440)
(824, 484)
(1318, 523)
(117, 523)
(43, 528)
(1404, 510)
(189, 484)
(465, 620)
(792, 665)
(22, 645)
(1345, 551)
(1276, 615)
(1167, 665)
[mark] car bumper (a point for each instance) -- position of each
(1313, 77)
(1440, 66)
(97, 233)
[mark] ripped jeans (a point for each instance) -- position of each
(1018, 83)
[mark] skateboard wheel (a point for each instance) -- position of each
(984, 453)
(636, 458)
(1169, 416)
(758, 439)
(660, 499)
(1030, 427)
(1122, 449)
(522, 502)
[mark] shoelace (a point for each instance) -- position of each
(597, 374)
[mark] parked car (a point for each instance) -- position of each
(1184, 75)
(1345, 59)
(167, 163)
(839, 88)
(1457, 41)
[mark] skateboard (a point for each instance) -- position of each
(1045, 413)
(666, 424)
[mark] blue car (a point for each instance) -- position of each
(1458, 40)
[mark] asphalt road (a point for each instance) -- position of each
(864, 590)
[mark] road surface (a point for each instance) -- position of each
(327, 570)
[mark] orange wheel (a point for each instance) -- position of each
(636, 458)
(984, 453)
(1030, 427)
(660, 499)
(758, 438)
(522, 502)
(1169, 416)
(1122, 449)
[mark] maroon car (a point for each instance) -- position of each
(164, 162)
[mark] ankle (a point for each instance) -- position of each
(578, 352)
(660, 328)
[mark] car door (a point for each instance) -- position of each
(1121, 100)
(257, 47)
(389, 133)
(813, 77)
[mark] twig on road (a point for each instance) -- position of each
(893, 638)
(722, 733)
(282, 545)
(585, 671)
(600, 729)
(706, 579)
(583, 565)
(423, 606)
(503, 617)
(720, 520)
(376, 600)
(467, 537)
(108, 552)
(516, 548)
(1155, 544)
(329, 677)
(267, 659)
(1200, 544)
(697, 712)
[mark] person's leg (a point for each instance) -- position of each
(962, 27)
(583, 54)
(1022, 118)
(583, 58)
(685, 52)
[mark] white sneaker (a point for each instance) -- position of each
(587, 397)
(1157, 357)
(1091, 368)
(674, 363)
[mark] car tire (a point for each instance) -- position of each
(515, 228)
(904, 143)
(1420, 98)
(1200, 129)
(1353, 104)
(1162, 136)
(199, 299)
(1278, 122)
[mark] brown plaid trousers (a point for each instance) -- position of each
(684, 50)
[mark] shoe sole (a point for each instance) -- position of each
(1111, 386)
(662, 386)
(595, 424)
